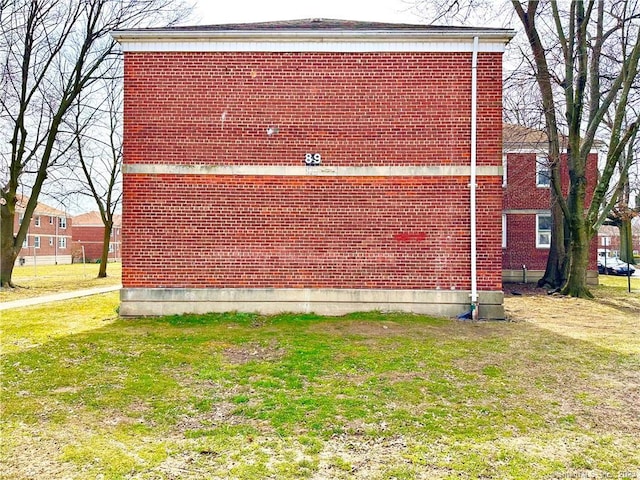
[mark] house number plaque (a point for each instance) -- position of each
(312, 159)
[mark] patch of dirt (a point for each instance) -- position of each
(372, 328)
(250, 352)
(519, 289)
(367, 457)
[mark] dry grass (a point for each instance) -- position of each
(42, 280)
(553, 393)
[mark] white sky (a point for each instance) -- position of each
(245, 11)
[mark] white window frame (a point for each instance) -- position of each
(62, 242)
(51, 241)
(504, 230)
(543, 172)
(62, 222)
(50, 220)
(539, 232)
(36, 242)
(504, 170)
(36, 221)
(25, 242)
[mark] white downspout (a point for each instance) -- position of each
(473, 183)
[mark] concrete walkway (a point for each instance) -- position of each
(56, 297)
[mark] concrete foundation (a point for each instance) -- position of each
(532, 276)
(170, 301)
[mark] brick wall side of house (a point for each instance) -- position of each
(355, 109)
(91, 237)
(307, 231)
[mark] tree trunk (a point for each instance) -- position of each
(576, 284)
(626, 241)
(580, 241)
(556, 270)
(7, 262)
(106, 240)
(8, 251)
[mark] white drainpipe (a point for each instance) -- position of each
(473, 185)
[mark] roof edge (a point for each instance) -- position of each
(372, 35)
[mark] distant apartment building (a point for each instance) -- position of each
(48, 241)
(526, 215)
(88, 238)
(609, 238)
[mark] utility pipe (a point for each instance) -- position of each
(473, 185)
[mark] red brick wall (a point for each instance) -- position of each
(355, 109)
(267, 231)
(91, 237)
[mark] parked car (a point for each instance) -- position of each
(614, 266)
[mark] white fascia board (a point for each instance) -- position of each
(302, 41)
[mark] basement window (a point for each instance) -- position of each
(543, 230)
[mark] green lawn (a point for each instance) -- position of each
(41, 280)
(86, 395)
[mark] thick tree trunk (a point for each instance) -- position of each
(576, 284)
(556, 270)
(104, 259)
(8, 251)
(580, 241)
(7, 262)
(626, 241)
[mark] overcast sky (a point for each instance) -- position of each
(244, 11)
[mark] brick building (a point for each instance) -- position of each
(88, 235)
(48, 241)
(314, 165)
(526, 220)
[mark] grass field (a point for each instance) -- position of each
(553, 393)
(47, 279)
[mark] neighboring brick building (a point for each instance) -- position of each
(311, 165)
(48, 241)
(527, 205)
(88, 232)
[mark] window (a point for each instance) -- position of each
(37, 221)
(62, 222)
(25, 242)
(504, 170)
(543, 174)
(543, 230)
(36, 242)
(62, 243)
(50, 220)
(504, 230)
(51, 241)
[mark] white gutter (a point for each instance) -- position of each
(492, 35)
(473, 186)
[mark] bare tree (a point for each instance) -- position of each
(97, 154)
(582, 34)
(52, 50)
(585, 64)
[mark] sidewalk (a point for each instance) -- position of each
(27, 302)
